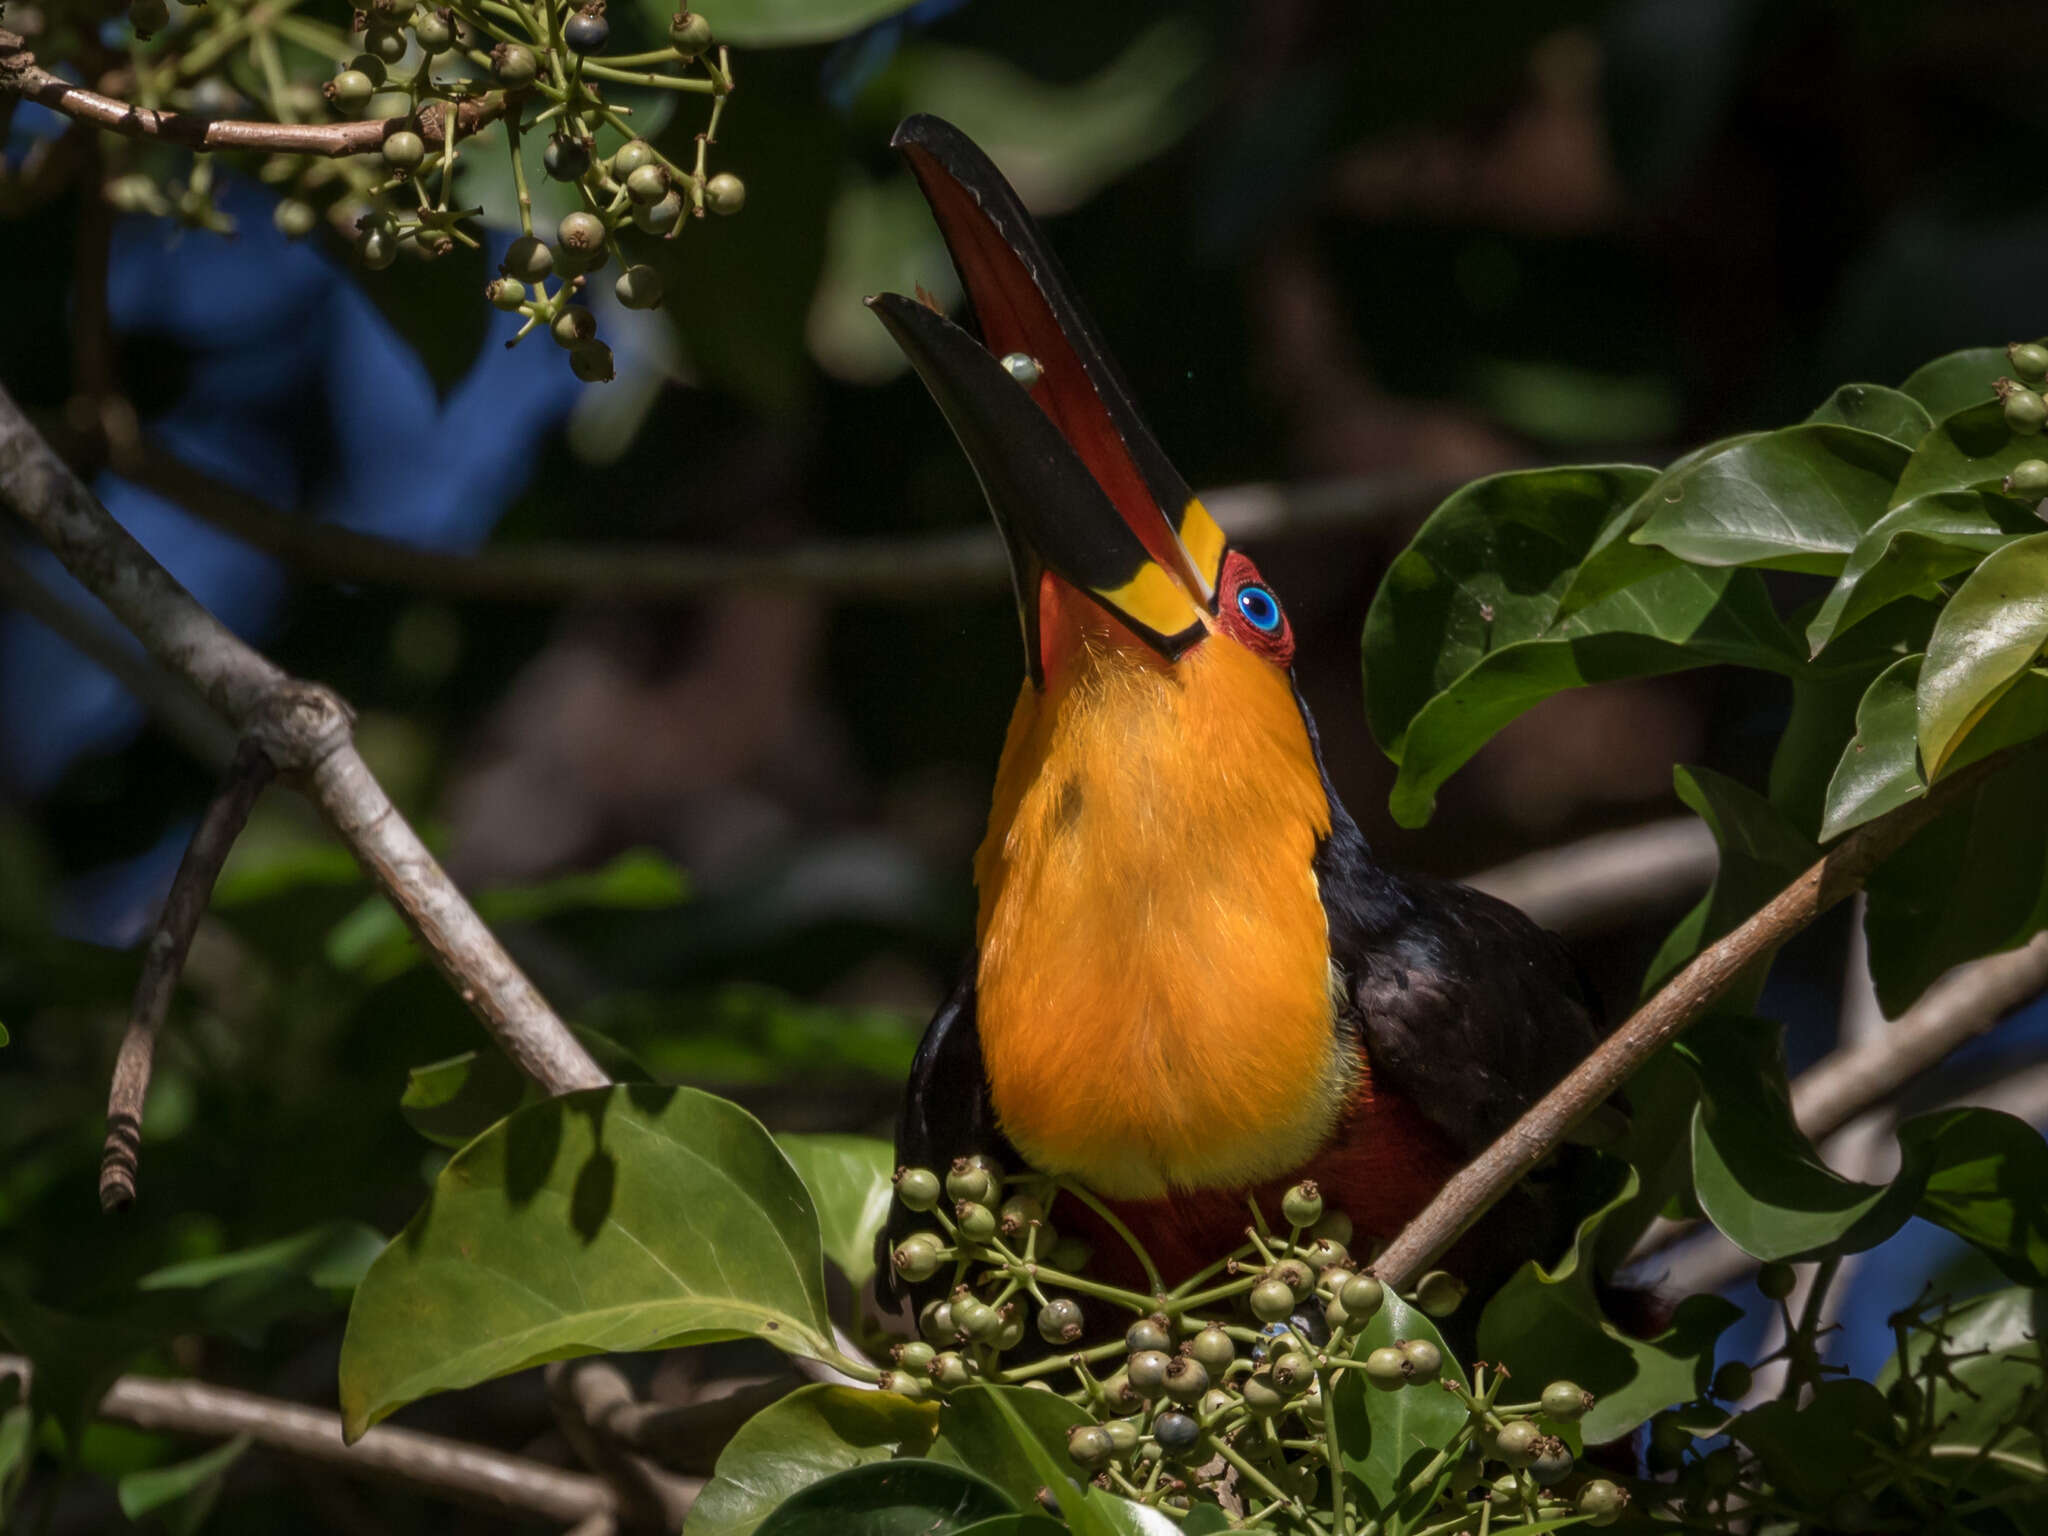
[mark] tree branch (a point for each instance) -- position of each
(163, 961)
(304, 730)
(470, 1474)
(591, 1399)
(1608, 875)
(22, 76)
(1684, 999)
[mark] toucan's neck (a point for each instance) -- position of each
(1155, 956)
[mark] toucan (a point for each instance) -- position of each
(1193, 984)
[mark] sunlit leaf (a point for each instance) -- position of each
(976, 1435)
(890, 1498)
(1987, 1182)
(1880, 768)
(1992, 1352)
(1385, 1438)
(1873, 408)
(1992, 630)
(848, 1177)
(613, 1219)
(801, 1440)
(451, 1101)
(1910, 549)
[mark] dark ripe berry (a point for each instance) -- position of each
(564, 158)
(351, 90)
(1336, 1226)
(514, 64)
(630, 156)
(1293, 1372)
(528, 259)
(1059, 1322)
(1262, 1396)
(1123, 1435)
(1516, 1443)
(1775, 1281)
(1090, 1446)
(389, 13)
(387, 43)
(592, 363)
(2025, 411)
(294, 219)
(1387, 1368)
(1303, 1204)
(917, 1188)
(1272, 1300)
(1439, 1294)
(1550, 1461)
(1214, 1348)
(915, 1357)
(1146, 1371)
(583, 233)
(969, 1180)
(1733, 1380)
(1071, 1254)
(1567, 1400)
(689, 34)
(1020, 1213)
(1186, 1378)
(919, 1255)
(404, 150)
(1602, 1502)
(952, 1371)
(1148, 1333)
(2029, 359)
(1424, 1357)
(647, 184)
(586, 32)
(148, 17)
(1362, 1296)
(936, 1323)
(658, 218)
(977, 1222)
(376, 246)
(435, 31)
(1175, 1431)
(370, 65)
(725, 193)
(2029, 477)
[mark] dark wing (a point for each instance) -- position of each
(946, 1114)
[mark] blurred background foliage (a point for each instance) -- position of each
(731, 835)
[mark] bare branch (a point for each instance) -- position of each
(304, 730)
(21, 76)
(1683, 1000)
(1606, 876)
(162, 962)
(592, 1399)
(470, 1474)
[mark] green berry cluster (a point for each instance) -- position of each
(2025, 411)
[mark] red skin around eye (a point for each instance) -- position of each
(1238, 573)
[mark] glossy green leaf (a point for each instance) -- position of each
(849, 1181)
(1614, 560)
(975, 1434)
(786, 23)
(1990, 1357)
(192, 1486)
(612, 1219)
(1957, 380)
(453, 1101)
(1088, 1511)
(801, 1440)
(1987, 1182)
(1991, 632)
(1813, 1451)
(1890, 413)
(1014, 1525)
(1793, 500)
(889, 1498)
(1385, 1438)
(1972, 450)
(1910, 549)
(1880, 768)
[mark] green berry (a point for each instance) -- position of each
(630, 156)
(1303, 1204)
(1324, 1254)
(2029, 477)
(1387, 1368)
(968, 1179)
(513, 64)
(902, 1383)
(1059, 1322)
(1090, 1446)
(2029, 359)
(564, 158)
(1216, 1349)
(376, 246)
(975, 1317)
(1175, 1431)
(404, 150)
(915, 1357)
(1123, 1435)
(2025, 411)
(1424, 1357)
(1071, 1255)
(1310, 1404)
(725, 193)
(583, 235)
(658, 218)
(1116, 1392)
(1020, 1213)
(1775, 1281)
(387, 43)
(148, 17)
(571, 328)
(1148, 1333)
(1733, 1380)
(919, 1255)
(1299, 1279)
(351, 90)
(1336, 1226)
(953, 1371)
(434, 31)
(1214, 1403)
(1516, 1443)
(370, 65)
(1272, 1300)
(1011, 1333)
(433, 243)
(294, 219)
(1186, 1379)
(1262, 1396)
(689, 34)
(1550, 1461)
(936, 1323)
(1147, 1372)
(1293, 1372)
(977, 1223)
(1439, 1294)
(587, 31)
(529, 260)
(1567, 1401)
(917, 1188)
(1602, 1502)
(648, 184)
(506, 293)
(1363, 1295)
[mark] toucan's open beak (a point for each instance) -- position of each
(1084, 497)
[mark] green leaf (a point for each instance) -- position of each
(1880, 768)
(801, 1440)
(786, 23)
(1972, 450)
(1816, 1451)
(1986, 638)
(452, 1102)
(1987, 1182)
(17, 1446)
(195, 1484)
(849, 1181)
(1948, 384)
(75, 1359)
(976, 1435)
(1910, 549)
(613, 1219)
(889, 1498)
(1017, 1525)
(1544, 1325)
(1873, 408)
(1385, 1438)
(1614, 560)
(1991, 1349)
(1798, 499)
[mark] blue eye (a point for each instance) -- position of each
(1259, 608)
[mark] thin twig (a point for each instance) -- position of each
(1686, 998)
(587, 1395)
(470, 1474)
(22, 76)
(304, 729)
(163, 960)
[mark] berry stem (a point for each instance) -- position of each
(635, 77)
(1108, 1216)
(512, 131)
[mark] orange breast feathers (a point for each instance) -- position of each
(1155, 997)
